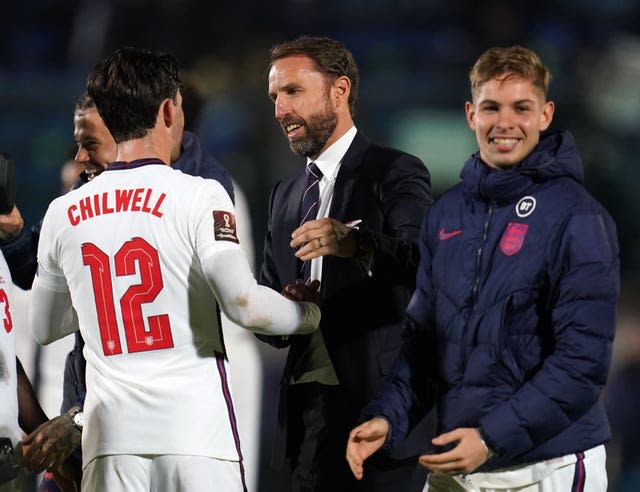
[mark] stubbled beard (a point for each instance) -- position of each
(318, 129)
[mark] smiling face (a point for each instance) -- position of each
(96, 146)
(306, 104)
(507, 115)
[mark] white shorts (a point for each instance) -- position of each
(580, 472)
(162, 473)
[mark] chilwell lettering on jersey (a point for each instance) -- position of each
(144, 200)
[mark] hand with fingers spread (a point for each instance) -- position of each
(365, 440)
(322, 237)
(50, 444)
(469, 453)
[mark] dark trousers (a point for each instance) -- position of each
(320, 418)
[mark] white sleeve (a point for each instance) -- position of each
(255, 307)
(51, 315)
(212, 220)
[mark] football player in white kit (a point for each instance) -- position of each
(9, 427)
(19, 407)
(144, 253)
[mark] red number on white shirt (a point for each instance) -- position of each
(98, 263)
(159, 334)
(139, 338)
(6, 319)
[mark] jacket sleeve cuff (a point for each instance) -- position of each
(15, 243)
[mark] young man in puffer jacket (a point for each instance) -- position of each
(512, 322)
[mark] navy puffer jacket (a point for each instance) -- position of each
(513, 317)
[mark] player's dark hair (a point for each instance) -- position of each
(84, 102)
(128, 87)
(330, 57)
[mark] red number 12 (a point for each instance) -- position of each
(137, 250)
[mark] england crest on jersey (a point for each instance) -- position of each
(513, 238)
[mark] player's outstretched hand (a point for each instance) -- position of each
(50, 444)
(302, 292)
(365, 440)
(468, 454)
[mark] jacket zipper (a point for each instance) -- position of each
(476, 284)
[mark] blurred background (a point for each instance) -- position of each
(414, 56)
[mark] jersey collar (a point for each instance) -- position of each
(119, 165)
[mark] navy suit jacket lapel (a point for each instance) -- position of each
(292, 219)
(297, 190)
(347, 178)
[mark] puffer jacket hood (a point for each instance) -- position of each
(555, 156)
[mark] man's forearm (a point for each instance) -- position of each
(30, 413)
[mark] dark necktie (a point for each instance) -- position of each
(309, 206)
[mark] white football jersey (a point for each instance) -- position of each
(8, 375)
(129, 243)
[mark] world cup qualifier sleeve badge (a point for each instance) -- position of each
(224, 226)
(513, 238)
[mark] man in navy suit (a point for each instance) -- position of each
(360, 241)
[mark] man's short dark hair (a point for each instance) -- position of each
(330, 58)
(84, 102)
(128, 88)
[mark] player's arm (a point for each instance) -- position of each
(30, 413)
(49, 445)
(256, 307)
(252, 306)
(51, 315)
(269, 275)
(49, 442)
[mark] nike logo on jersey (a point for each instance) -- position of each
(139, 200)
(443, 235)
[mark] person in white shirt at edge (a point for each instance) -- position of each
(19, 407)
(143, 253)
